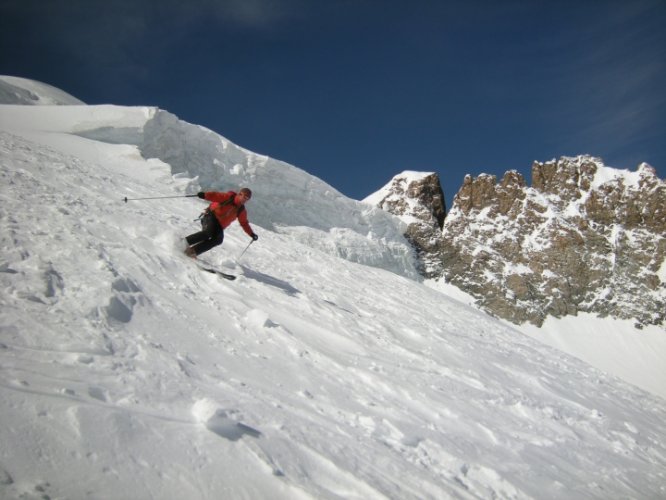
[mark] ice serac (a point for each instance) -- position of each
(286, 199)
(583, 238)
(417, 199)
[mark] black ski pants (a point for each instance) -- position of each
(210, 236)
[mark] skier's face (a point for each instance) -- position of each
(241, 198)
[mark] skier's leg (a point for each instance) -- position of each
(197, 237)
(214, 235)
(206, 245)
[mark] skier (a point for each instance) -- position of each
(224, 209)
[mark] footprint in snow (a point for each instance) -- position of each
(219, 421)
(126, 295)
(229, 429)
(259, 319)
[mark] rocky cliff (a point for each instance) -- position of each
(583, 238)
(418, 200)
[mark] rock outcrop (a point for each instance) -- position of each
(583, 238)
(417, 198)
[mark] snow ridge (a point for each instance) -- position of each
(14, 90)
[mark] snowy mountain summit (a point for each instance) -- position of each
(14, 90)
(322, 371)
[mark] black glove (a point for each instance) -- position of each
(201, 195)
(254, 237)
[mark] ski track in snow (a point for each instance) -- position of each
(127, 372)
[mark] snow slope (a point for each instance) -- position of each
(612, 345)
(127, 372)
(14, 90)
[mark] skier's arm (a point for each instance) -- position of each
(217, 196)
(242, 220)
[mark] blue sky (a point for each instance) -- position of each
(356, 91)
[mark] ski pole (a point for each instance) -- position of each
(243, 252)
(126, 199)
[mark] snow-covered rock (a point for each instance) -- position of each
(417, 199)
(584, 238)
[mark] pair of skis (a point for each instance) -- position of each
(212, 270)
(208, 269)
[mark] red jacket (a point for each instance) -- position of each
(226, 213)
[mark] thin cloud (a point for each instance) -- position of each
(113, 31)
(257, 14)
(608, 91)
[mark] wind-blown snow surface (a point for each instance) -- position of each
(127, 372)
